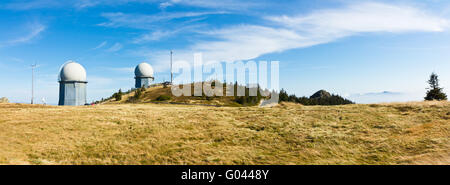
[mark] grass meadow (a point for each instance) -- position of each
(398, 133)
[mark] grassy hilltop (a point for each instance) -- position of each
(162, 94)
(151, 95)
(410, 133)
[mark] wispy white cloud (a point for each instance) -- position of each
(34, 30)
(82, 4)
(166, 4)
(210, 4)
(159, 25)
(141, 21)
(32, 4)
(116, 47)
(101, 45)
(364, 17)
(222, 4)
(244, 42)
(166, 33)
(88, 3)
(77, 4)
(247, 42)
(153, 36)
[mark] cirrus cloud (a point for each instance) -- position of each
(285, 32)
(33, 29)
(323, 26)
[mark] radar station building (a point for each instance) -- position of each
(143, 75)
(72, 84)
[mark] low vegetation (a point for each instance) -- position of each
(118, 95)
(163, 98)
(407, 133)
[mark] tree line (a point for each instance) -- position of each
(321, 100)
(434, 92)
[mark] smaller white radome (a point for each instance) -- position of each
(143, 70)
(72, 71)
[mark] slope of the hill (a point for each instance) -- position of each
(413, 133)
(153, 94)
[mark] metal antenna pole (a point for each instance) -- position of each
(32, 82)
(171, 74)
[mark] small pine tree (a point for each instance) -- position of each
(435, 92)
(118, 95)
(142, 90)
(292, 98)
(138, 93)
(283, 96)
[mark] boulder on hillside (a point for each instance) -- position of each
(320, 94)
(4, 100)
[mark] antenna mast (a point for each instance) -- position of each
(32, 82)
(171, 74)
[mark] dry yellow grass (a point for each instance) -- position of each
(412, 133)
(152, 93)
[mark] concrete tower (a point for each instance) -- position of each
(143, 75)
(72, 84)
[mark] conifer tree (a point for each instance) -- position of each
(435, 92)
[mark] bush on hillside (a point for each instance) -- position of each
(247, 100)
(163, 98)
(137, 95)
(118, 95)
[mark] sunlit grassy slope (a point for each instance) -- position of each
(150, 95)
(413, 133)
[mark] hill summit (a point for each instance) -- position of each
(321, 97)
(321, 94)
(162, 94)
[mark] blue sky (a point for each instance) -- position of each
(368, 51)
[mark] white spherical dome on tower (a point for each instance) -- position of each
(72, 84)
(72, 71)
(143, 70)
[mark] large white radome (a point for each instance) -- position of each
(72, 71)
(143, 70)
